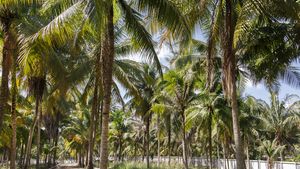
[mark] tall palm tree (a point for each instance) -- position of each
(229, 79)
(8, 16)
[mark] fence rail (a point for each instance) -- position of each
(228, 163)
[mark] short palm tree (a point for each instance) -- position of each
(271, 150)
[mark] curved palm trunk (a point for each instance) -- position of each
(7, 55)
(13, 116)
(30, 137)
(108, 59)
(229, 70)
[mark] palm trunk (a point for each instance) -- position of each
(148, 141)
(108, 59)
(55, 141)
(184, 145)
(100, 123)
(210, 140)
(38, 138)
(79, 159)
(270, 163)
(120, 148)
(218, 149)
(229, 70)
(13, 116)
(7, 55)
(93, 116)
(30, 137)
(158, 142)
(210, 55)
(144, 147)
(248, 158)
(86, 156)
(169, 140)
(224, 155)
(21, 154)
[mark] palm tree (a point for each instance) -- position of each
(119, 127)
(271, 149)
(280, 121)
(208, 107)
(37, 86)
(8, 16)
(180, 88)
(144, 82)
(250, 110)
(229, 79)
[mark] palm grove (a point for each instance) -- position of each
(70, 88)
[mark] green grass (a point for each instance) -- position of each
(18, 167)
(136, 165)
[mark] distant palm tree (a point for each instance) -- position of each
(280, 121)
(144, 82)
(179, 88)
(271, 150)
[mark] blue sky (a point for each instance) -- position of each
(259, 91)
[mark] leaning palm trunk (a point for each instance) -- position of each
(6, 58)
(229, 80)
(30, 137)
(13, 115)
(108, 59)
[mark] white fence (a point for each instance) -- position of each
(229, 163)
